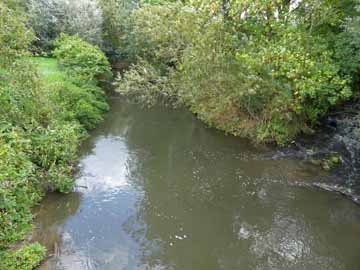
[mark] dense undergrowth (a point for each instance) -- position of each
(46, 108)
(267, 70)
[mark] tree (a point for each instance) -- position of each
(115, 24)
(49, 18)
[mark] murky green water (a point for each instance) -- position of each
(165, 192)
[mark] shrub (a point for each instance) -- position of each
(54, 150)
(84, 103)
(17, 189)
(80, 58)
(85, 66)
(78, 99)
(14, 36)
(26, 258)
(270, 92)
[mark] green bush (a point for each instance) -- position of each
(17, 186)
(78, 100)
(270, 92)
(15, 38)
(86, 67)
(26, 258)
(54, 150)
(85, 103)
(82, 59)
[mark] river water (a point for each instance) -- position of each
(157, 190)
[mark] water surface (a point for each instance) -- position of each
(157, 190)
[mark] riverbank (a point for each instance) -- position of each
(334, 146)
(47, 107)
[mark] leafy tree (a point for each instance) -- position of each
(49, 18)
(115, 25)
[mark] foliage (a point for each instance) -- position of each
(17, 178)
(347, 48)
(14, 36)
(49, 18)
(157, 38)
(26, 258)
(144, 84)
(80, 100)
(82, 59)
(115, 25)
(44, 113)
(259, 69)
(99, 22)
(269, 93)
(86, 66)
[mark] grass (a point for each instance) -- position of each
(48, 69)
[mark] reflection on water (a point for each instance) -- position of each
(52, 214)
(158, 190)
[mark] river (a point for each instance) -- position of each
(158, 190)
